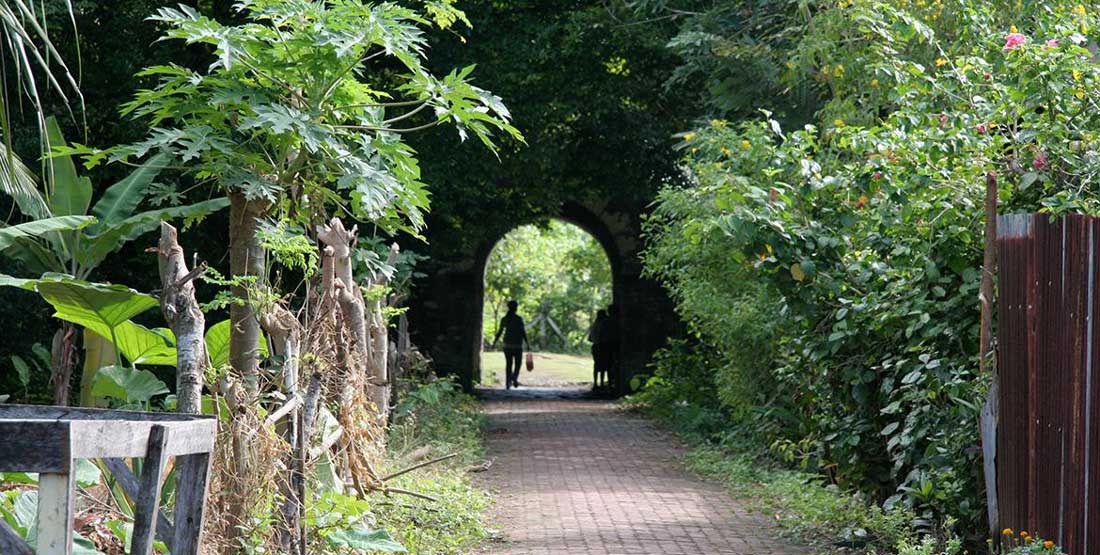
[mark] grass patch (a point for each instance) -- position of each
(804, 507)
(551, 369)
(440, 419)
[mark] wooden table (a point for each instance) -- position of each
(48, 440)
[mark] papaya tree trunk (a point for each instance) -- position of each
(62, 360)
(182, 312)
(246, 258)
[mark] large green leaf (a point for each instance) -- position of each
(121, 199)
(141, 345)
(97, 306)
(364, 539)
(103, 239)
(217, 344)
(70, 194)
(129, 385)
(38, 228)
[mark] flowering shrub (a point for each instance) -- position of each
(856, 236)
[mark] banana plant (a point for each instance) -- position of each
(71, 235)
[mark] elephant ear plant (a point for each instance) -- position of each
(71, 235)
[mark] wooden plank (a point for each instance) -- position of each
(55, 514)
(125, 478)
(193, 473)
(127, 439)
(41, 412)
(147, 504)
(11, 543)
(35, 447)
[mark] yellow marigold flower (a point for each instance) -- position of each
(1023, 533)
(874, 83)
(745, 144)
(940, 62)
(1007, 531)
(1076, 75)
(689, 136)
(1048, 544)
(838, 123)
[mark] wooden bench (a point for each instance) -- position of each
(48, 440)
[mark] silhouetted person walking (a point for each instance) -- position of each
(599, 351)
(515, 336)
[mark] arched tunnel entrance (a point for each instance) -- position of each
(560, 277)
(445, 313)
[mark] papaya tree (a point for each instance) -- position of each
(303, 112)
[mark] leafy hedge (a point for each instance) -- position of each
(830, 270)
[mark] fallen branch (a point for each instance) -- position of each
(417, 466)
(388, 491)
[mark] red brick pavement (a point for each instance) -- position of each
(579, 477)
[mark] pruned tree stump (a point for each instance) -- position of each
(48, 440)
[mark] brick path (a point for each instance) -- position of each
(578, 477)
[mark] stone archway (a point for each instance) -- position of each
(445, 313)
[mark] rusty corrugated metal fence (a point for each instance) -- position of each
(1048, 362)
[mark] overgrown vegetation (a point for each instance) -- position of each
(827, 254)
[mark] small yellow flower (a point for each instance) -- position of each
(1023, 533)
(1007, 531)
(839, 70)
(1013, 29)
(1079, 10)
(689, 136)
(838, 123)
(940, 62)
(1048, 544)
(874, 83)
(1029, 539)
(1076, 75)
(726, 151)
(718, 123)
(1079, 93)
(745, 144)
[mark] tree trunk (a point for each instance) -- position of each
(246, 258)
(62, 359)
(182, 312)
(98, 352)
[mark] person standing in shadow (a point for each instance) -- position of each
(599, 354)
(515, 336)
(610, 338)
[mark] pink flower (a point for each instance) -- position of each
(1040, 161)
(877, 175)
(982, 128)
(1052, 43)
(1013, 40)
